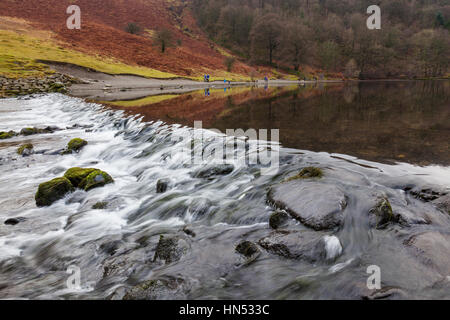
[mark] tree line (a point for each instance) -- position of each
(332, 35)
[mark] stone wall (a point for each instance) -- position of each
(15, 87)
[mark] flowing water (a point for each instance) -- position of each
(114, 248)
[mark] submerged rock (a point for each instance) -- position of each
(7, 135)
(432, 248)
(247, 248)
(52, 191)
(95, 179)
(211, 172)
(278, 219)
(14, 221)
(77, 175)
(170, 249)
(100, 205)
(159, 289)
(317, 205)
(381, 215)
(306, 245)
(25, 149)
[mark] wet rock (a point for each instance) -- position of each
(211, 172)
(189, 232)
(247, 248)
(14, 221)
(381, 215)
(52, 191)
(7, 135)
(75, 145)
(32, 131)
(307, 173)
(95, 179)
(162, 185)
(432, 248)
(426, 194)
(160, 289)
(77, 175)
(317, 205)
(25, 149)
(278, 219)
(110, 248)
(443, 203)
(100, 205)
(390, 293)
(304, 245)
(170, 249)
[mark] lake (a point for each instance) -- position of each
(386, 121)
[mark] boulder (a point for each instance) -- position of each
(317, 205)
(75, 145)
(52, 191)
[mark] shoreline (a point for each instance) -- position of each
(90, 84)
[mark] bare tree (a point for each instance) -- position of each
(266, 36)
(164, 39)
(133, 28)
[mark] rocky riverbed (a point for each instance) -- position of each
(167, 228)
(11, 87)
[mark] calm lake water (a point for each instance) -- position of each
(401, 121)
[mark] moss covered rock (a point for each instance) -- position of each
(7, 135)
(100, 205)
(28, 131)
(95, 179)
(25, 149)
(52, 191)
(76, 144)
(32, 130)
(77, 175)
(308, 173)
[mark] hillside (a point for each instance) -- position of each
(35, 30)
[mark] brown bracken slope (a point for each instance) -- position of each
(102, 32)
